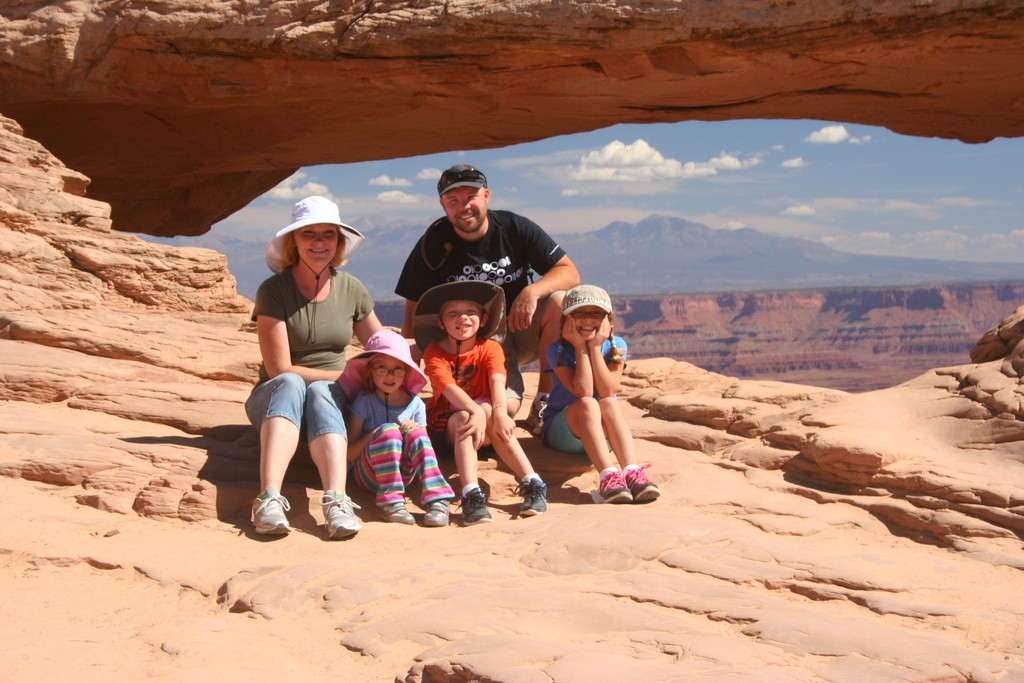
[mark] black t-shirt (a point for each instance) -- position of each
(512, 247)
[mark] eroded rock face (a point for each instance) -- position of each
(183, 112)
(803, 534)
(852, 339)
(57, 249)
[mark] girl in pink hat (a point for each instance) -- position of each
(389, 446)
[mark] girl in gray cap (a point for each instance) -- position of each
(583, 412)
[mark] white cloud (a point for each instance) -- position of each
(751, 162)
(388, 181)
(1005, 247)
(698, 169)
(795, 162)
(734, 225)
(829, 135)
(878, 206)
(833, 135)
(963, 202)
(726, 161)
(296, 186)
(561, 157)
(429, 173)
(942, 240)
(619, 162)
(800, 210)
(729, 162)
(639, 168)
(869, 242)
(398, 197)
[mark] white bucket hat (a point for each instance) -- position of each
(310, 211)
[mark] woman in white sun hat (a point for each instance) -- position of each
(306, 314)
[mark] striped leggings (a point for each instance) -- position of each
(391, 461)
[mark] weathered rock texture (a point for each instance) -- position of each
(803, 535)
(182, 112)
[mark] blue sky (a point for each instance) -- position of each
(856, 188)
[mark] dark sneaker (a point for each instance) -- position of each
(643, 489)
(396, 512)
(535, 497)
(268, 512)
(474, 508)
(614, 489)
(437, 513)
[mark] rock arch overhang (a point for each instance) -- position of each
(182, 112)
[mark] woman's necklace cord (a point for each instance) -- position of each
(311, 332)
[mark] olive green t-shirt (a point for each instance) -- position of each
(318, 332)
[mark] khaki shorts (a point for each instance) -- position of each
(521, 349)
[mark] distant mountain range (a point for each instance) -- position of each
(659, 254)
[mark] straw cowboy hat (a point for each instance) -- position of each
(426, 326)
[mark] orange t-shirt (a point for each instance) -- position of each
(471, 371)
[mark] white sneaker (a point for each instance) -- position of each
(268, 512)
(339, 517)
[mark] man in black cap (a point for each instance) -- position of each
(472, 242)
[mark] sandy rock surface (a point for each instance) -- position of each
(803, 534)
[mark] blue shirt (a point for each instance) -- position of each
(561, 354)
(371, 410)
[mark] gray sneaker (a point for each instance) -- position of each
(396, 512)
(268, 512)
(535, 497)
(474, 508)
(437, 513)
(339, 517)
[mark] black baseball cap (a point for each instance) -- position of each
(460, 175)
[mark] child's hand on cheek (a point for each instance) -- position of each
(570, 332)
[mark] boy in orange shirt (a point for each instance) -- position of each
(453, 323)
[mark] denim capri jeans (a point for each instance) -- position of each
(321, 405)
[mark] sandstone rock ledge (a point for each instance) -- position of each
(183, 111)
(804, 534)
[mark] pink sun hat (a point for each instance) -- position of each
(382, 343)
